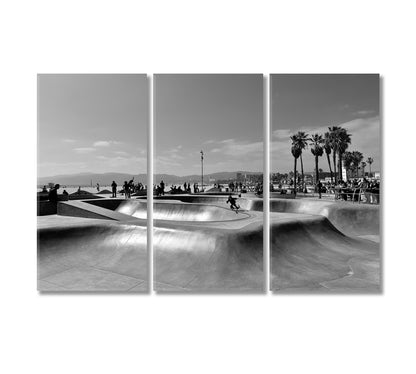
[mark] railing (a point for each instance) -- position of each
(359, 195)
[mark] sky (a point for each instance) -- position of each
(312, 103)
(92, 123)
(219, 114)
(98, 123)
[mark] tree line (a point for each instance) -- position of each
(336, 142)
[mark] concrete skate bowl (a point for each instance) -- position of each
(172, 210)
(350, 219)
(308, 254)
(208, 260)
(245, 203)
(92, 255)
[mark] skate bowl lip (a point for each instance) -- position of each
(349, 218)
(247, 203)
(229, 214)
(208, 197)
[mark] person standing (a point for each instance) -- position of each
(131, 187)
(53, 197)
(126, 190)
(319, 187)
(114, 189)
(53, 193)
(162, 188)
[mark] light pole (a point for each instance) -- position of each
(202, 171)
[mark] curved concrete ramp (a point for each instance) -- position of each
(245, 202)
(178, 211)
(207, 260)
(80, 254)
(309, 254)
(351, 219)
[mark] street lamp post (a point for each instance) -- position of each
(202, 171)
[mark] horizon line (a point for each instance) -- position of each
(129, 173)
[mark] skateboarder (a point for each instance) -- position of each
(233, 203)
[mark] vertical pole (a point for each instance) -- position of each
(202, 171)
(149, 192)
(267, 115)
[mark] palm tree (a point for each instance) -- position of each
(302, 142)
(340, 140)
(296, 152)
(344, 139)
(363, 165)
(327, 148)
(348, 163)
(333, 137)
(357, 157)
(370, 161)
(317, 150)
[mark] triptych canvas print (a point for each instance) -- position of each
(198, 223)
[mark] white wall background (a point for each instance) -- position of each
(204, 334)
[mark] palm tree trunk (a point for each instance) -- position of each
(316, 171)
(301, 168)
(340, 166)
(334, 156)
(370, 170)
(330, 169)
(294, 178)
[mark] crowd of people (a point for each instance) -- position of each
(242, 188)
(358, 189)
(235, 187)
(129, 188)
(159, 190)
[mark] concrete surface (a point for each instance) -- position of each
(210, 256)
(348, 217)
(200, 245)
(179, 211)
(316, 246)
(326, 247)
(84, 254)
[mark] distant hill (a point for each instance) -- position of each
(105, 179)
(85, 179)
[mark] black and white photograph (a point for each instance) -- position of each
(221, 187)
(92, 182)
(208, 183)
(325, 177)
